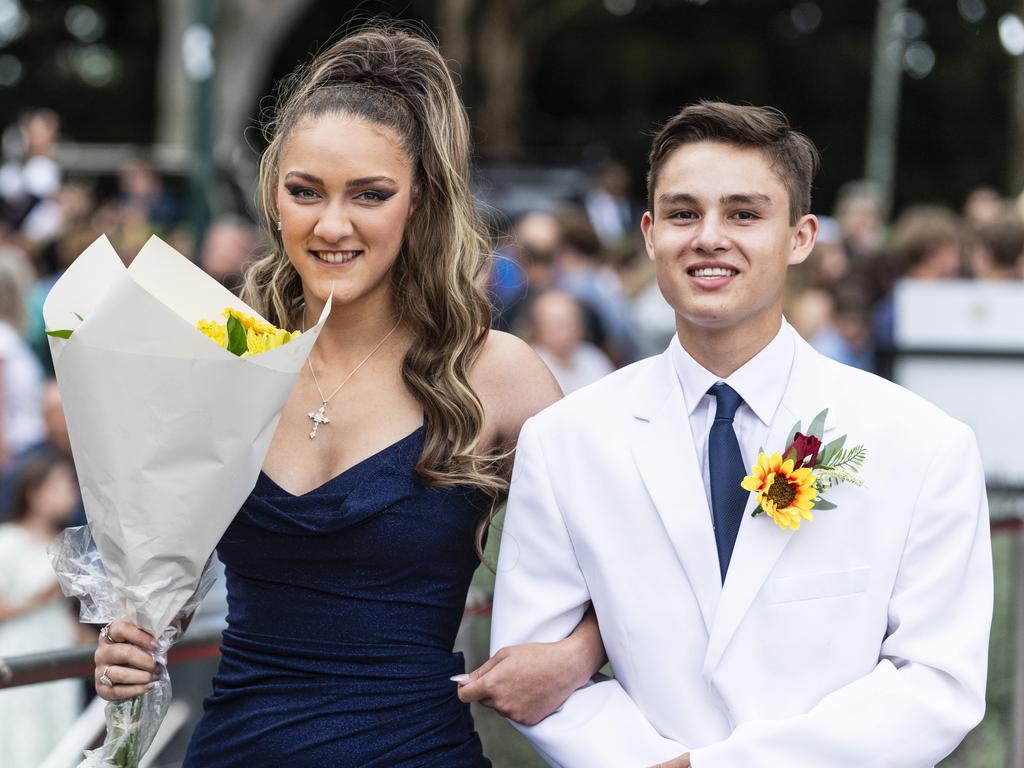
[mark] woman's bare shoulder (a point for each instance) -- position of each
(512, 382)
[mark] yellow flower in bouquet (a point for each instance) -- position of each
(216, 331)
(243, 334)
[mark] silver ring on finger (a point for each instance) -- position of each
(105, 678)
(105, 633)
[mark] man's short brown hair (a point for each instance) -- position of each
(920, 231)
(791, 155)
(1004, 237)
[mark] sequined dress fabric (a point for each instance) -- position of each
(344, 603)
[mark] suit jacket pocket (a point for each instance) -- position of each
(814, 586)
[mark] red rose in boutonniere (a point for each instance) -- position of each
(788, 485)
(804, 450)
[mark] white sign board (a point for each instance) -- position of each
(960, 345)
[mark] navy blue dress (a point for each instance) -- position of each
(343, 608)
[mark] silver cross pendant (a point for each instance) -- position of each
(318, 418)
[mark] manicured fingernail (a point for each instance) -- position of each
(460, 679)
(150, 686)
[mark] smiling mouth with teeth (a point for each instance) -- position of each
(713, 272)
(336, 257)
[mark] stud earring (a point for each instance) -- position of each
(278, 225)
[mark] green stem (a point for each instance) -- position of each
(125, 732)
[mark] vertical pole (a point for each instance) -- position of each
(1017, 704)
(1015, 170)
(198, 46)
(884, 108)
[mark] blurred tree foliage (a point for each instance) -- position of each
(582, 80)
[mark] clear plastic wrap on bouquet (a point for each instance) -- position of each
(132, 724)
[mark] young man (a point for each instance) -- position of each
(859, 638)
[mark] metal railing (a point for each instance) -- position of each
(201, 642)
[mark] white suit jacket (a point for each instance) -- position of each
(858, 641)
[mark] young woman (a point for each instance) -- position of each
(348, 566)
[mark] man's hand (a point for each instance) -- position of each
(683, 761)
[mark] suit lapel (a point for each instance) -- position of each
(760, 541)
(667, 461)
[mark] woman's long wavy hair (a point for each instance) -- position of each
(395, 78)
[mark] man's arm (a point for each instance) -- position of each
(928, 689)
(540, 596)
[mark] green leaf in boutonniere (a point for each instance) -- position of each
(792, 435)
(852, 459)
(817, 427)
(828, 453)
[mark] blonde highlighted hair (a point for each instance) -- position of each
(395, 78)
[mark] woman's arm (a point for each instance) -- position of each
(526, 683)
(14, 608)
(683, 761)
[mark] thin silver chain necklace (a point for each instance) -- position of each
(319, 416)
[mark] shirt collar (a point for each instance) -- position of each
(761, 381)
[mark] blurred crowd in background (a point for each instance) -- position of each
(570, 276)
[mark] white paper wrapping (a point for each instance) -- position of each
(168, 429)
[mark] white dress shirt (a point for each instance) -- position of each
(761, 382)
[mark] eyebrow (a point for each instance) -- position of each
(744, 198)
(362, 182)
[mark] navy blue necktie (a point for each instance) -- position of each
(725, 466)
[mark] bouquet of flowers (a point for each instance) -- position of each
(168, 431)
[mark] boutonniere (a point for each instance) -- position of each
(789, 485)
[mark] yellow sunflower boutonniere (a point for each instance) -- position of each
(789, 485)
